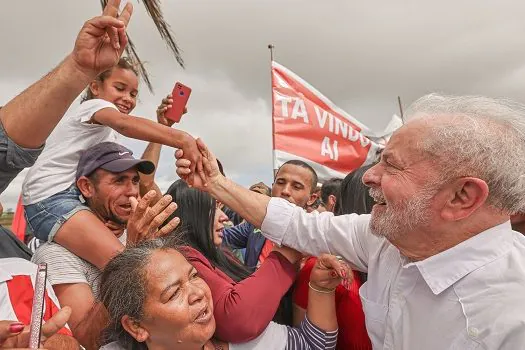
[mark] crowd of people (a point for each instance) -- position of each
(424, 249)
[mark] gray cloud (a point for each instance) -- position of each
(359, 54)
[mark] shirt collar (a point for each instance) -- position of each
(446, 268)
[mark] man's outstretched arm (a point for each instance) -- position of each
(30, 117)
(248, 204)
(281, 221)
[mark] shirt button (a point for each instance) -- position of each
(473, 332)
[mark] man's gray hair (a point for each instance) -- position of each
(478, 137)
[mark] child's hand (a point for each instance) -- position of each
(166, 104)
(328, 272)
(117, 229)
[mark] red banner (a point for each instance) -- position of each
(309, 127)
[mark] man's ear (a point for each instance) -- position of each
(86, 187)
(331, 202)
(134, 328)
(464, 197)
(313, 198)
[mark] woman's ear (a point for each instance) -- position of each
(134, 328)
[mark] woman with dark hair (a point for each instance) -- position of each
(245, 301)
(353, 198)
(353, 195)
(201, 214)
(156, 300)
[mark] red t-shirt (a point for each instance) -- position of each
(350, 315)
(265, 251)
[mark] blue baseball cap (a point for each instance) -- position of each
(112, 157)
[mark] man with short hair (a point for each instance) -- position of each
(107, 179)
(445, 269)
(330, 193)
(294, 181)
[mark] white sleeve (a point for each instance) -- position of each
(274, 337)
(346, 235)
(87, 109)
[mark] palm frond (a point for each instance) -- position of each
(155, 12)
(132, 53)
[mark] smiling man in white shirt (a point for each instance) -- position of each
(445, 270)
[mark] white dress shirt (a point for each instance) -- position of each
(471, 296)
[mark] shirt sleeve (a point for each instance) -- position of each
(88, 108)
(52, 307)
(243, 310)
(14, 158)
(62, 266)
(274, 337)
(310, 337)
(314, 233)
(237, 236)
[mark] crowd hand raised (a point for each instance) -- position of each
(144, 221)
(166, 104)
(102, 39)
(329, 271)
(207, 169)
(14, 335)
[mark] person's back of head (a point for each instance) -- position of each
(354, 196)
(196, 211)
(330, 193)
(261, 188)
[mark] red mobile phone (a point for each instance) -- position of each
(180, 94)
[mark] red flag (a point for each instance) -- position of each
(309, 127)
(19, 221)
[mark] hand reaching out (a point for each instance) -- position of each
(145, 221)
(166, 104)
(102, 39)
(329, 271)
(117, 229)
(207, 173)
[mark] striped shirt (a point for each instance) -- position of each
(17, 278)
(310, 337)
(279, 337)
(64, 267)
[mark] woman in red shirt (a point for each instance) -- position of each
(244, 302)
(353, 198)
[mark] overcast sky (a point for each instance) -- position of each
(360, 54)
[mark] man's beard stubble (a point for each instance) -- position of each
(396, 220)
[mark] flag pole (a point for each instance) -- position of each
(271, 47)
(400, 108)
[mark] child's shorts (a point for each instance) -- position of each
(45, 218)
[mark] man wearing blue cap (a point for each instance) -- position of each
(107, 180)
